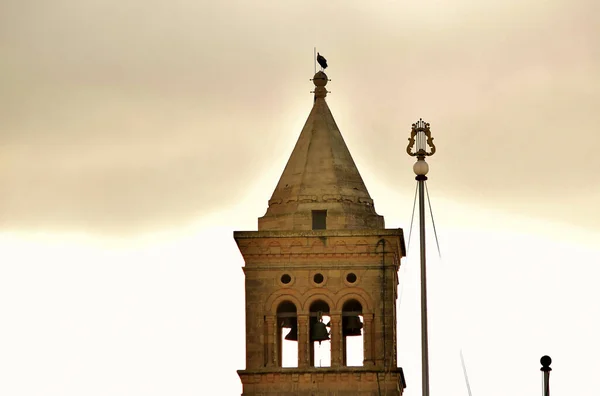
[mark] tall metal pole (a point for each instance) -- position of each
(546, 361)
(419, 142)
(424, 339)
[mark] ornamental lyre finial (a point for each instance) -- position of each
(420, 142)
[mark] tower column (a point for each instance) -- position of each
(368, 340)
(271, 341)
(337, 340)
(303, 342)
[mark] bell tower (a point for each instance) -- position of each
(321, 276)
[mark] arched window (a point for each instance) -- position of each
(287, 334)
(352, 333)
(320, 344)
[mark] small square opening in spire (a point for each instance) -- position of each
(319, 219)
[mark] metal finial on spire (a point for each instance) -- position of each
(320, 80)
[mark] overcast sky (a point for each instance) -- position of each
(135, 136)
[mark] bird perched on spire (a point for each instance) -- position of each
(322, 61)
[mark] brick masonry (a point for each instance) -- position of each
(372, 255)
(283, 257)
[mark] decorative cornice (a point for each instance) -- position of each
(349, 376)
(313, 266)
(319, 370)
(319, 244)
(324, 198)
(320, 233)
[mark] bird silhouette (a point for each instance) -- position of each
(322, 61)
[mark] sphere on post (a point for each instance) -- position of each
(421, 167)
(546, 361)
(320, 80)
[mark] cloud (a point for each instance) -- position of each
(133, 116)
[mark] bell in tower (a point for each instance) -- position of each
(351, 326)
(318, 330)
(293, 326)
(320, 276)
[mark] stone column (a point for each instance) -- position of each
(368, 340)
(337, 347)
(303, 342)
(271, 341)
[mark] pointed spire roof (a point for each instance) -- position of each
(320, 176)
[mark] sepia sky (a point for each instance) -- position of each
(135, 136)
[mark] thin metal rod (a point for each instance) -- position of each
(437, 242)
(546, 383)
(412, 219)
(462, 360)
(424, 343)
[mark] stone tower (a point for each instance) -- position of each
(321, 259)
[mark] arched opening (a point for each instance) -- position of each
(287, 334)
(352, 333)
(320, 344)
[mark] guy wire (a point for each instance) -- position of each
(412, 218)
(433, 222)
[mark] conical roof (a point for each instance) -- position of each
(320, 176)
